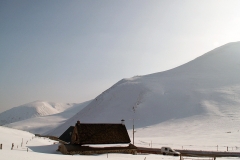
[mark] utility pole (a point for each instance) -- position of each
(133, 131)
(134, 110)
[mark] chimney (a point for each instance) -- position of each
(123, 122)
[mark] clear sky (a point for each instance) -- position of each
(73, 50)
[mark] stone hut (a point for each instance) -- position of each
(83, 134)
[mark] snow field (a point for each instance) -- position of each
(43, 148)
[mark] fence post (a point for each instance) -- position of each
(0, 146)
(12, 146)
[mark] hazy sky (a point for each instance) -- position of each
(73, 50)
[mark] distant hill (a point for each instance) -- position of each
(41, 124)
(33, 109)
(208, 86)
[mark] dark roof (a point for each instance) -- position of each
(66, 136)
(102, 134)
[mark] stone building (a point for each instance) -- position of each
(83, 134)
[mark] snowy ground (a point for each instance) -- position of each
(196, 132)
(43, 148)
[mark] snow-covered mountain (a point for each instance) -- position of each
(207, 87)
(33, 109)
(41, 124)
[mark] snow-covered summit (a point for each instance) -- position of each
(207, 86)
(33, 109)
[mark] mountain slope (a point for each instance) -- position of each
(33, 109)
(206, 86)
